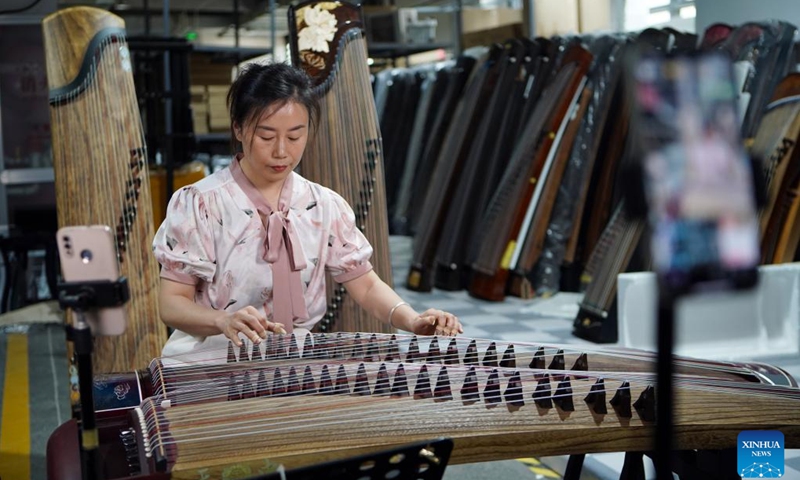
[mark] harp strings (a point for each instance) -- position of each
(346, 156)
(103, 162)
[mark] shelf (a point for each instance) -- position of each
(230, 54)
(213, 137)
(393, 50)
(22, 176)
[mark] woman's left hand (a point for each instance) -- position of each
(437, 322)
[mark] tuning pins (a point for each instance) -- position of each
(325, 382)
(442, 390)
(256, 352)
(537, 362)
(231, 355)
(596, 399)
(382, 385)
(563, 396)
(362, 381)
(471, 356)
(293, 382)
(400, 385)
(434, 354)
(413, 350)
(393, 352)
(513, 393)
(542, 396)
(490, 357)
(557, 364)
(469, 389)
(581, 365)
(491, 393)
(509, 359)
(422, 388)
(645, 405)
(341, 387)
(451, 356)
(621, 401)
(309, 386)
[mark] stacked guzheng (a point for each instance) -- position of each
(332, 396)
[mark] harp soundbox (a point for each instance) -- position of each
(100, 163)
(345, 150)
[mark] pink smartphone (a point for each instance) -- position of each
(88, 253)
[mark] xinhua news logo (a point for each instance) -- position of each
(760, 454)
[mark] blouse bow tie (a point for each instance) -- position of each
(282, 249)
(285, 253)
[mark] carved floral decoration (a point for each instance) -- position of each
(317, 28)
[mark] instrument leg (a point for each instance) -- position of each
(574, 467)
(633, 468)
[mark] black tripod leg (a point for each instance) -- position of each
(633, 468)
(574, 467)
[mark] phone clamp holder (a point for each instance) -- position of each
(82, 298)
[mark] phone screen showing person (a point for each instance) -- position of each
(697, 178)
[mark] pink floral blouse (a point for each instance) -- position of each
(214, 237)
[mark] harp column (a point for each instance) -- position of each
(100, 164)
(345, 152)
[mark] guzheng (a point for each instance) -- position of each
(100, 163)
(344, 151)
(563, 227)
(775, 145)
(331, 396)
(510, 211)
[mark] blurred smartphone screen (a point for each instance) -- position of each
(698, 180)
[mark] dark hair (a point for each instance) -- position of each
(260, 86)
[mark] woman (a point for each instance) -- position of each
(245, 250)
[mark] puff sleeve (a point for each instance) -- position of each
(349, 250)
(184, 244)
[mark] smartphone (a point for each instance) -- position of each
(89, 253)
(697, 178)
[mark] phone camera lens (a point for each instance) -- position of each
(66, 238)
(86, 256)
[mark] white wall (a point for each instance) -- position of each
(736, 12)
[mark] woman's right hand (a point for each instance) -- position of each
(248, 321)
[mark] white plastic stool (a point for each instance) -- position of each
(724, 326)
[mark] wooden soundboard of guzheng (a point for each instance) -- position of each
(330, 397)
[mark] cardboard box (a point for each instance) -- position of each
(492, 35)
(479, 19)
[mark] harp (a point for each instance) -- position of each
(345, 152)
(100, 163)
(297, 402)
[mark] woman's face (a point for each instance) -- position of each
(274, 145)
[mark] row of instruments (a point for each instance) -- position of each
(298, 401)
(510, 175)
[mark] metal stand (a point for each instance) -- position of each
(83, 297)
(666, 340)
(81, 336)
(423, 461)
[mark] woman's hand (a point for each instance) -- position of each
(248, 321)
(437, 322)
